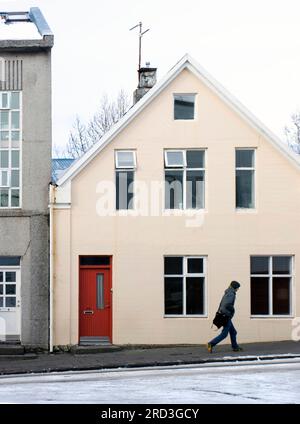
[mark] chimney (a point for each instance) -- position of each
(147, 79)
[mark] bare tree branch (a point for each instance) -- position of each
(292, 132)
(83, 137)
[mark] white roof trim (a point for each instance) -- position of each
(208, 80)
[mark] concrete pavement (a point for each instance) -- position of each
(139, 356)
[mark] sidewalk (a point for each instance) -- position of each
(130, 357)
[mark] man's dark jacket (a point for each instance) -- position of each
(227, 303)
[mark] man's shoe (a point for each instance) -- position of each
(209, 347)
(237, 349)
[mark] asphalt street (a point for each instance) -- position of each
(276, 381)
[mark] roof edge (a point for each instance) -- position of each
(185, 62)
(124, 121)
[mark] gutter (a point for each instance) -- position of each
(51, 288)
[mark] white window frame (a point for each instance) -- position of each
(16, 269)
(195, 103)
(11, 149)
(185, 169)
(185, 275)
(119, 169)
(118, 166)
(253, 168)
(175, 166)
(270, 277)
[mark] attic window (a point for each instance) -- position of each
(184, 106)
(125, 159)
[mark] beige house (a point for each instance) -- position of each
(186, 193)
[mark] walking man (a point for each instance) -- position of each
(227, 308)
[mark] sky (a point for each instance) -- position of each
(251, 47)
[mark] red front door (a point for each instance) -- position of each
(95, 303)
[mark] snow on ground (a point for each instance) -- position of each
(260, 383)
(18, 31)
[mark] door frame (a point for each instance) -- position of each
(98, 268)
(17, 269)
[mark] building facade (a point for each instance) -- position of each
(25, 174)
(188, 192)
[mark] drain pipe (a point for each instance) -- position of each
(51, 206)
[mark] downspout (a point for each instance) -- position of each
(51, 207)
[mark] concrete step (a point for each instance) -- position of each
(9, 349)
(84, 350)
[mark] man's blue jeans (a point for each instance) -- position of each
(228, 328)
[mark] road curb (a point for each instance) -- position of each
(151, 364)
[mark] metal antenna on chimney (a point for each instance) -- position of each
(141, 33)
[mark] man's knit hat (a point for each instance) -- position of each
(235, 284)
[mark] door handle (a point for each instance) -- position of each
(88, 312)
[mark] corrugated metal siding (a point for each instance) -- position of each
(13, 76)
(59, 166)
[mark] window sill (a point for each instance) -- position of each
(185, 316)
(8, 309)
(246, 210)
(272, 316)
(11, 209)
(183, 211)
(184, 120)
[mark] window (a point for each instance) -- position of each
(271, 278)
(10, 136)
(8, 289)
(184, 285)
(94, 260)
(184, 179)
(184, 106)
(125, 167)
(245, 167)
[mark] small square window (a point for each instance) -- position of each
(259, 265)
(184, 106)
(10, 289)
(10, 277)
(173, 265)
(195, 265)
(195, 158)
(281, 265)
(4, 135)
(10, 302)
(244, 158)
(125, 159)
(175, 159)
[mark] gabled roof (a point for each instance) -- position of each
(187, 62)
